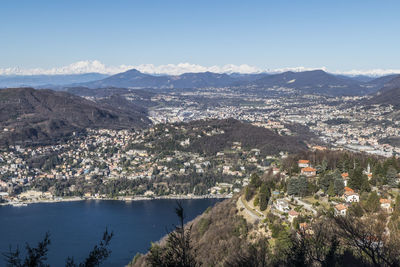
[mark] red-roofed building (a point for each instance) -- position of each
(309, 171)
(340, 209)
(386, 205)
(292, 215)
(303, 163)
(348, 189)
(345, 177)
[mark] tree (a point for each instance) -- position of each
(358, 180)
(255, 255)
(37, 256)
(397, 204)
(98, 255)
(264, 196)
(293, 187)
(325, 181)
(178, 250)
(356, 210)
(256, 200)
(391, 177)
(255, 180)
(372, 203)
(367, 238)
(248, 193)
(331, 189)
(339, 186)
(303, 186)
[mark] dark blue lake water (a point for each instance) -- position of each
(75, 227)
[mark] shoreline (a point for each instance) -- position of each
(125, 199)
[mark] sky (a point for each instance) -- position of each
(158, 36)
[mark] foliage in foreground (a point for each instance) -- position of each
(221, 237)
(37, 256)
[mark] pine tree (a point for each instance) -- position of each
(264, 196)
(303, 186)
(358, 180)
(255, 180)
(324, 182)
(372, 203)
(331, 189)
(339, 186)
(178, 250)
(391, 177)
(293, 187)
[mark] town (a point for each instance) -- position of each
(333, 119)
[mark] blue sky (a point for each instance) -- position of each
(339, 35)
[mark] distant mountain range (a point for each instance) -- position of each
(389, 94)
(14, 81)
(136, 79)
(307, 82)
(45, 116)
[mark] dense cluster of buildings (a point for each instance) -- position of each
(105, 155)
(339, 121)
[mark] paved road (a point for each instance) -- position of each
(305, 205)
(255, 215)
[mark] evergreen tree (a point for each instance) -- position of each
(255, 180)
(391, 177)
(293, 187)
(339, 186)
(358, 180)
(248, 193)
(303, 186)
(264, 196)
(372, 203)
(324, 182)
(397, 204)
(331, 189)
(256, 200)
(178, 251)
(37, 256)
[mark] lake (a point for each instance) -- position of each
(75, 227)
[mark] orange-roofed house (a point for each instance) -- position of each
(305, 229)
(346, 188)
(340, 209)
(303, 163)
(345, 177)
(309, 171)
(320, 148)
(292, 215)
(386, 204)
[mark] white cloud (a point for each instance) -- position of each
(96, 66)
(74, 68)
(88, 66)
(372, 72)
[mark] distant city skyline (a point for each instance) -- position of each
(355, 37)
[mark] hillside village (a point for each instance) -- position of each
(316, 202)
(124, 165)
(107, 164)
(283, 202)
(331, 118)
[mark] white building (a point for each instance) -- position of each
(341, 210)
(350, 196)
(282, 205)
